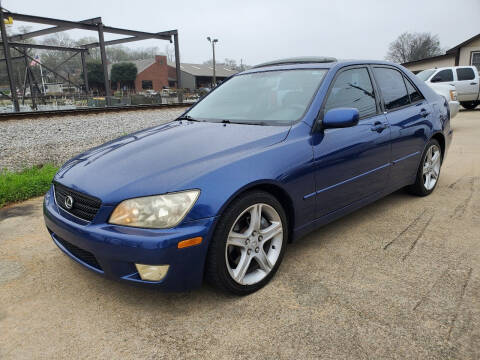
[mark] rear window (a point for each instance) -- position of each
(413, 92)
(465, 74)
(392, 87)
(443, 76)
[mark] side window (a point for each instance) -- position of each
(353, 88)
(392, 87)
(443, 76)
(465, 74)
(475, 60)
(412, 91)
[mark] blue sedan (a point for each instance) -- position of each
(273, 153)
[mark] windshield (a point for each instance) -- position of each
(425, 74)
(268, 98)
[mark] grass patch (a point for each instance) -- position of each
(23, 185)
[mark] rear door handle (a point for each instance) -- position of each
(424, 113)
(378, 126)
(473, 83)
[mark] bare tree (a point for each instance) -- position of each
(209, 62)
(170, 53)
(413, 46)
(230, 63)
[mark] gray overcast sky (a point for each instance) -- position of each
(257, 31)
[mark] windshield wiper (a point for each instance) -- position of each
(244, 122)
(188, 117)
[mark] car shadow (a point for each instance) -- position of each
(470, 110)
(356, 218)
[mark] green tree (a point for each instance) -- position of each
(124, 73)
(95, 74)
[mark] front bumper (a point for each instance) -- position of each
(116, 249)
(454, 108)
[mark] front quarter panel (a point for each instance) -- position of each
(286, 165)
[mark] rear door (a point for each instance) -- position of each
(408, 114)
(351, 163)
(466, 83)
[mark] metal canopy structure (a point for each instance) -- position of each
(94, 24)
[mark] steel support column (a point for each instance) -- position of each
(177, 67)
(103, 53)
(85, 75)
(30, 84)
(6, 50)
(49, 69)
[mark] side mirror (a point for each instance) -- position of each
(340, 118)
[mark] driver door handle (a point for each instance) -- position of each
(379, 126)
(424, 113)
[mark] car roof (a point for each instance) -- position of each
(311, 62)
(298, 60)
(451, 67)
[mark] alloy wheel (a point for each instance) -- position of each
(254, 244)
(431, 167)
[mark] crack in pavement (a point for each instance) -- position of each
(463, 206)
(462, 295)
(409, 226)
(420, 234)
(435, 284)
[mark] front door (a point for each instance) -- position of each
(351, 163)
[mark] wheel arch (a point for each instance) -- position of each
(274, 189)
(441, 140)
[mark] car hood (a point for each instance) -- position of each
(164, 158)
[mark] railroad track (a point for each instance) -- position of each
(92, 110)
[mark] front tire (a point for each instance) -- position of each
(470, 105)
(428, 171)
(248, 244)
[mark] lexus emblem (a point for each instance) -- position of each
(68, 202)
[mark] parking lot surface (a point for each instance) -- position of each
(397, 279)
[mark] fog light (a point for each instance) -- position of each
(152, 272)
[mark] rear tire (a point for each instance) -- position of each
(248, 244)
(470, 105)
(428, 172)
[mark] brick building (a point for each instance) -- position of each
(151, 73)
(156, 74)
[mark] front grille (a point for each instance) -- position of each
(85, 256)
(84, 206)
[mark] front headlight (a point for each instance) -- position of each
(453, 95)
(158, 212)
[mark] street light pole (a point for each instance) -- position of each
(214, 82)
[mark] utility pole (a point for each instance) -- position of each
(8, 60)
(214, 80)
(177, 68)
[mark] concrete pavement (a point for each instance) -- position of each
(395, 280)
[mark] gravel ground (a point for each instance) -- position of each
(399, 279)
(26, 142)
